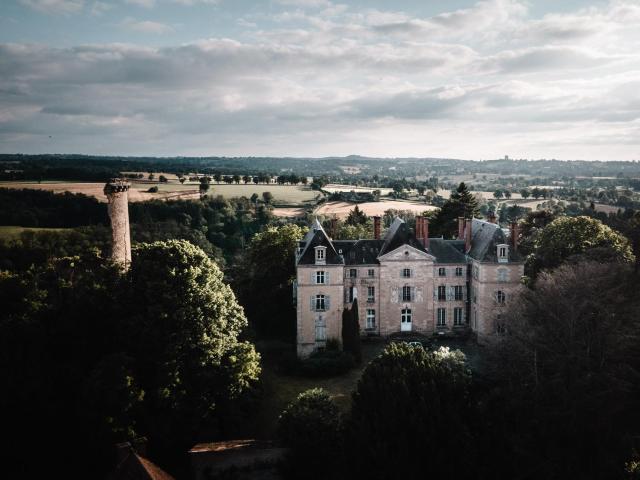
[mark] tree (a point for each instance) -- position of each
(182, 180)
(151, 176)
(311, 427)
(263, 276)
(525, 193)
(357, 217)
(204, 187)
(351, 331)
(217, 177)
(183, 331)
(498, 194)
(569, 236)
(236, 179)
(267, 197)
(507, 194)
(246, 179)
(162, 179)
(410, 411)
(461, 203)
(566, 375)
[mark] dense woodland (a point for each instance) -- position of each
(92, 356)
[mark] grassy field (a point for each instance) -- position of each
(342, 209)
(9, 233)
(283, 194)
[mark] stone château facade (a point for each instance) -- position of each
(406, 281)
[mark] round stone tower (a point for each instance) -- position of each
(117, 194)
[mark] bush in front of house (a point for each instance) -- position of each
(311, 428)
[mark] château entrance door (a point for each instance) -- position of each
(405, 320)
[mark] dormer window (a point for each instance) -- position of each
(321, 255)
(503, 253)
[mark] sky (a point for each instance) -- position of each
(315, 78)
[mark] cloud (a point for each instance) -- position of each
(62, 7)
(142, 3)
(99, 8)
(146, 26)
(326, 80)
(305, 3)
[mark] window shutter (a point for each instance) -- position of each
(435, 293)
(326, 278)
(327, 302)
(313, 278)
(400, 294)
(313, 303)
(413, 294)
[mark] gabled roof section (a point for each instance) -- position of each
(359, 252)
(486, 236)
(398, 235)
(446, 251)
(317, 237)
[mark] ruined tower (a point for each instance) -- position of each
(117, 194)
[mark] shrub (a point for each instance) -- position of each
(311, 427)
(153, 189)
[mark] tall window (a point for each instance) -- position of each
(503, 253)
(320, 277)
(406, 294)
(442, 292)
(500, 327)
(321, 329)
(371, 318)
(350, 295)
(442, 272)
(500, 297)
(503, 275)
(458, 292)
(406, 273)
(371, 294)
(321, 303)
(320, 255)
(457, 316)
(371, 272)
(442, 317)
(459, 271)
(405, 317)
(476, 272)
(353, 273)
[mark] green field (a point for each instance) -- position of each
(9, 233)
(283, 194)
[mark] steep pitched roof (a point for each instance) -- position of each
(445, 251)
(486, 236)
(398, 235)
(360, 252)
(315, 237)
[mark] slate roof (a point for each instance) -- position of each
(359, 252)
(315, 237)
(446, 251)
(486, 236)
(399, 235)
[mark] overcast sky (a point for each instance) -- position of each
(460, 79)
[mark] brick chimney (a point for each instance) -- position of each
(467, 234)
(419, 230)
(425, 227)
(333, 227)
(461, 221)
(376, 228)
(514, 231)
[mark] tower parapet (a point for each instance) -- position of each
(117, 192)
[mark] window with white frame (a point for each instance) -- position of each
(371, 294)
(405, 316)
(442, 317)
(406, 294)
(321, 255)
(503, 275)
(503, 253)
(321, 329)
(406, 273)
(353, 273)
(320, 303)
(500, 297)
(371, 272)
(458, 292)
(442, 272)
(457, 316)
(320, 277)
(442, 292)
(459, 271)
(371, 318)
